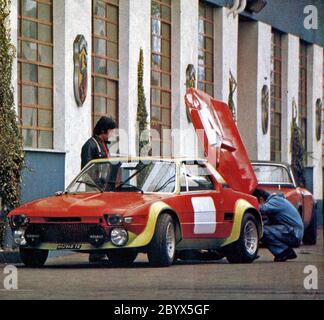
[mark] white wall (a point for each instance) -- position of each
(314, 92)
(264, 78)
(134, 34)
(72, 124)
(185, 14)
(290, 87)
(226, 52)
(254, 57)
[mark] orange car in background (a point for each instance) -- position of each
(278, 177)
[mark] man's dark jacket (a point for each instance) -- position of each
(93, 149)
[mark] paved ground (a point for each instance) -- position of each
(71, 277)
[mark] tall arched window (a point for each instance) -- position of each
(303, 91)
(206, 49)
(105, 65)
(276, 96)
(161, 72)
(35, 72)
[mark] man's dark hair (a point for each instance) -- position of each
(104, 124)
(258, 193)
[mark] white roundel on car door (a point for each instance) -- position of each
(204, 215)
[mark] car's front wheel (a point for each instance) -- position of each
(161, 251)
(245, 250)
(33, 258)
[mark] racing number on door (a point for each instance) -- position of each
(204, 215)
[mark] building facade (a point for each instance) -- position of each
(246, 59)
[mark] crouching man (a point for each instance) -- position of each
(283, 228)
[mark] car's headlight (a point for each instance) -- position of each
(119, 237)
(19, 237)
(19, 221)
(114, 219)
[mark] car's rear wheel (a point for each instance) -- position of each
(161, 252)
(121, 258)
(245, 250)
(310, 234)
(33, 258)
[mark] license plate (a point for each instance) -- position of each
(68, 246)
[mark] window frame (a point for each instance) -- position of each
(205, 67)
(183, 166)
(161, 125)
(95, 115)
(303, 92)
(38, 129)
(276, 97)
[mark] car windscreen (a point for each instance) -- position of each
(267, 174)
(115, 176)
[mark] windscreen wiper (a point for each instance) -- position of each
(130, 185)
(91, 184)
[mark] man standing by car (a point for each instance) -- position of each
(95, 148)
(283, 229)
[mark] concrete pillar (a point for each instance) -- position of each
(134, 34)
(290, 87)
(254, 57)
(185, 15)
(72, 124)
(225, 53)
(314, 92)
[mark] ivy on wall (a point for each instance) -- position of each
(11, 146)
(298, 152)
(142, 114)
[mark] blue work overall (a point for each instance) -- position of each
(283, 227)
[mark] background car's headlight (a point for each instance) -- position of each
(119, 237)
(19, 237)
(19, 221)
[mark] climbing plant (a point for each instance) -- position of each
(143, 140)
(11, 146)
(298, 152)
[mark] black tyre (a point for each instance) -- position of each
(310, 234)
(161, 251)
(33, 258)
(245, 249)
(121, 258)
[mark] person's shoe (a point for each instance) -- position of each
(288, 254)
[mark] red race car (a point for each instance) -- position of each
(161, 207)
(279, 178)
